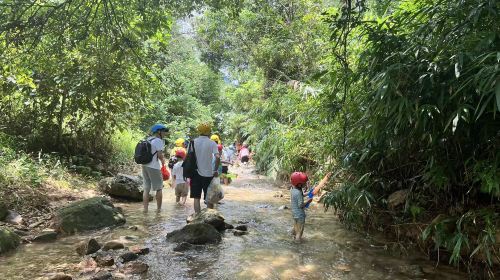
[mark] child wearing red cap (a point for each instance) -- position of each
(298, 180)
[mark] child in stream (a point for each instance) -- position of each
(298, 180)
(179, 183)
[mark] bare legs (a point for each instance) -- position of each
(159, 197)
(145, 200)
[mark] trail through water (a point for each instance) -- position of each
(268, 252)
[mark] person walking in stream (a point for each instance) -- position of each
(180, 185)
(205, 150)
(151, 172)
(298, 181)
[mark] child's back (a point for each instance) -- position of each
(297, 200)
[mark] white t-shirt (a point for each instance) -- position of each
(157, 145)
(205, 149)
(178, 173)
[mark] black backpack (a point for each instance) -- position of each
(189, 166)
(143, 153)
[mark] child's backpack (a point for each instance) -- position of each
(189, 166)
(172, 161)
(143, 153)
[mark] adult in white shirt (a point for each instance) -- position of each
(151, 172)
(205, 150)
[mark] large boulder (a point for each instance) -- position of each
(208, 216)
(123, 186)
(8, 240)
(88, 214)
(198, 233)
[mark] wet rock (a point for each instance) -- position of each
(242, 228)
(135, 267)
(208, 216)
(182, 247)
(397, 198)
(122, 186)
(131, 237)
(47, 235)
(102, 275)
(119, 276)
(228, 226)
(3, 211)
(8, 240)
(133, 227)
(128, 256)
(243, 222)
(343, 267)
(139, 250)
(13, 218)
(61, 276)
(104, 260)
(240, 233)
(197, 233)
(412, 270)
(88, 214)
(87, 265)
(113, 245)
(21, 232)
(88, 247)
(283, 207)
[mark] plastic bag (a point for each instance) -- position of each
(165, 173)
(214, 191)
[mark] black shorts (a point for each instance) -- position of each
(224, 169)
(198, 184)
(244, 159)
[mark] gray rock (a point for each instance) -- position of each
(8, 240)
(208, 216)
(182, 247)
(102, 275)
(128, 256)
(139, 250)
(197, 233)
(88, 214)
(123, 186)
(47, 235)
(242, 228)
(113, 245)
(229, 226)
(61, 276)
(135, 267)
(240, 233)
(13, 218)
(88, 247)
(104, 260)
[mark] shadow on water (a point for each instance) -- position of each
(267, 252)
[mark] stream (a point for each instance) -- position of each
(329, 251)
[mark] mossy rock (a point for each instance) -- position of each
(89, 214)
(8, 240)
(208, 216)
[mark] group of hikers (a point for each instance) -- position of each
(211, 160)
(211, 157)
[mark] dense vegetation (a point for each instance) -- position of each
(398, 98)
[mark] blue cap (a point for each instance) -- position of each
(157, 127)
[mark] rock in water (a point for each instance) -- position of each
(240, 233)
(46, 235)
(88, 247)
(242, 227)
(88, 214)
(135, 267)
(182, 247)
(102, 275)
(128, 256)
(8, 240)
(61, 277)
(122, 186)
(113, 245)
(208, 216)
(139, 250)
(198, 233)
(104, 260)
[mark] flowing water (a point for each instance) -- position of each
(268, 252)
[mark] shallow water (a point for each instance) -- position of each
(329, 251)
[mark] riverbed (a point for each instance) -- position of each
(329, 250)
